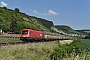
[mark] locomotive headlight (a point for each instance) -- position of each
(25, 35)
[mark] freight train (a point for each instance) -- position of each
(36, 35)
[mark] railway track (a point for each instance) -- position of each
(18, 36)
(18, 43)
(12, 43)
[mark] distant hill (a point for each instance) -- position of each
(66, 29)
(86, 31)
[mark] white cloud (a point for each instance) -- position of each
(3, 4)
(34, 11)
(50, 12)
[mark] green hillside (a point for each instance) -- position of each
(66, 29)
(84, 31)
(15, 21)
(11, 20)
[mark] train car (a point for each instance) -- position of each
(49, 36)
(31, 35)
(35, 35)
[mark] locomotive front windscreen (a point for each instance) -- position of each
(25, 32)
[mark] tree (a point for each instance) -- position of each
(17, 10)
(5, 7)
(14, 26)
(87, 36)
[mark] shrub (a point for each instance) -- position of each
(66, 50)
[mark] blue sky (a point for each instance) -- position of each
(74, 13)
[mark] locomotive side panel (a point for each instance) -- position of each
(36, 34)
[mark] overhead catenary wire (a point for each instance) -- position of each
(25, 4)
(20, 1)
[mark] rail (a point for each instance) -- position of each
(12, 43)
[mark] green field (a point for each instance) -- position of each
(86, 44)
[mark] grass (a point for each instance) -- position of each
(8, 40)
(36, 51)
(31, 51)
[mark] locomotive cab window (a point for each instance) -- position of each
(25, 32)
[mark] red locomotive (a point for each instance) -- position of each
(29, 34)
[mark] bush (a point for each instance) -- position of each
(66, 50)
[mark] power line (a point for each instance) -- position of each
(21, 2)
(24, 4)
